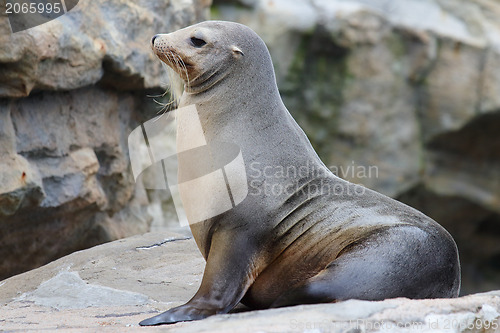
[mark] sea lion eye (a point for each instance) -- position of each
(197, 42)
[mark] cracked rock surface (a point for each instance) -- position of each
(111, 287)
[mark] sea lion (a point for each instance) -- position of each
(302, 235)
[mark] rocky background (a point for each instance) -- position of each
(71, 91)
(400, 96)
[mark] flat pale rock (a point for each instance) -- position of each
(113, 286)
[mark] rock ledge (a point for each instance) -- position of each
(113, 286)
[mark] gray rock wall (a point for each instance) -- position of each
(71, 91)
(402, 97)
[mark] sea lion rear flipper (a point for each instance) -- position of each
(384, 266)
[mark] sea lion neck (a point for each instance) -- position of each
(205, 81)
(239, 98)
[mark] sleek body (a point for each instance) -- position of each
(298, 244)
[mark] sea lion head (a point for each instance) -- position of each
(209, 52)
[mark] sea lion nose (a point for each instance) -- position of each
(153, 39)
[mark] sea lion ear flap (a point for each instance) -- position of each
(237, 52)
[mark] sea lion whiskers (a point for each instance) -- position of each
(175, 60)
(183, 67)
(175, 86)
(164, 106)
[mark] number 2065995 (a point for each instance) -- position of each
(33, 8)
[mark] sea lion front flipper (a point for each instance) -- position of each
(181, 313)
(225, 281)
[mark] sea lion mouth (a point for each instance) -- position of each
(173, 59)
(170, 57)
